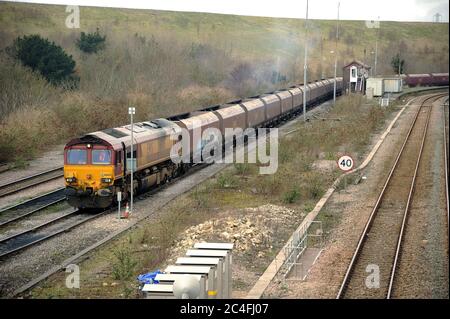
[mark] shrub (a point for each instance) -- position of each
(45, 57)
(91, 42)
(314, 186)
(291, 196)
(397, 63)
(123, 268)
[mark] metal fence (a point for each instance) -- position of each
(309, 236)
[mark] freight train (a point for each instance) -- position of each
(430, 79)
(98, 165)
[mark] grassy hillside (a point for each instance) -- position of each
(168, 62)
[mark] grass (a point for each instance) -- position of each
(170, 62)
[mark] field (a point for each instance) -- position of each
(169, 62)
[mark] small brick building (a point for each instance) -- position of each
(355, 75)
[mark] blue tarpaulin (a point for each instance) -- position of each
(149, 278)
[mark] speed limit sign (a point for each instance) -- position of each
(345, 163)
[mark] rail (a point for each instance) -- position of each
(369, 224)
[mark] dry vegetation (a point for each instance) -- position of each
(228, 198)
(169, 62)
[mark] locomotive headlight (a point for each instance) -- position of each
(71, 179)
(106, 180)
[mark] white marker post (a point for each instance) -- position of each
(345, 163)
(119, 198)
(131, 111)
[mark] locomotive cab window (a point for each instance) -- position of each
(101, 157)
(77, 156)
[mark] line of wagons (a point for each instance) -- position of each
(97, 165)
(426, 79)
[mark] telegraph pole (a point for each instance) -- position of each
(131, 111)
(376, 48)
(335, 56)
(305, 64)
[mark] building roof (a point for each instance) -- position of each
(358, 63)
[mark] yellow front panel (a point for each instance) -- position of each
(89, 175)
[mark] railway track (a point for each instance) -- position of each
(32, 206)
(376, 256)
(65, 222)
(29, 181)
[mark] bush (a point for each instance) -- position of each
(45, 57)
(397, 63)
(91, 42)
(123, 268)
(291, 196)
(314, 186)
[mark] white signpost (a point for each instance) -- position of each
(119, 199)
(345, 163)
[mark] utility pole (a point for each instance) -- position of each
(131, 111)
(335, 56)
(305, 64)
(376, 48)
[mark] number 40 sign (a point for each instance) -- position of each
(345, 163)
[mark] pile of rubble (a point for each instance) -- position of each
(251, 228)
